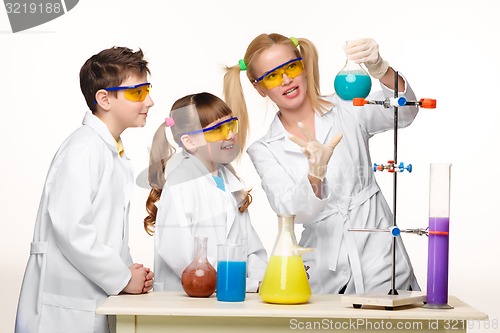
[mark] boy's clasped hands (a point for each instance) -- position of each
(141, 280)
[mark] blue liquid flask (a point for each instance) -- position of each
(352, 82)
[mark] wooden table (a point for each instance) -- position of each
(175, 312)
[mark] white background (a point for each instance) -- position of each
(448, 50)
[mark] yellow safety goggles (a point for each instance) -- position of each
(274, 77)
(135, 93)
(220, 131)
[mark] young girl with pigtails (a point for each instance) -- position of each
(314, 162)
(199, 193)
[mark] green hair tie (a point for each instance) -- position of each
(295, 41)
(243, 66)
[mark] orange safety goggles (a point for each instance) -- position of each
(135, 93)
(274, 77)
(220, 131)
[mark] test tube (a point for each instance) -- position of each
(439, 222)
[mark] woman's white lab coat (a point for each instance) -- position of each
(79, 254)
(360, 262)
(192, 205)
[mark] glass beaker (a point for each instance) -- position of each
(231, 272)
(199, 278)
(285, 280)
(352, 82)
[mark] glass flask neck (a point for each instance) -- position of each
(352, 67)
(286, 223)
(286, 243)
(200, 248)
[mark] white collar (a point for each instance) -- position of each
(101, 128)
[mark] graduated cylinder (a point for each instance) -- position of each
(439, 227)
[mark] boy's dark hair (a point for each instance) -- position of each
(109, 68)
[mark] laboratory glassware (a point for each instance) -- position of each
(352, 81)
(285, 280)
(199, 278)
(231, 272)
(439, 227)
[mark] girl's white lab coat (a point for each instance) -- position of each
(192, 205)
(79, 254)
(360, 262)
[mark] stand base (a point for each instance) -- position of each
(383, 300)
(437, 306)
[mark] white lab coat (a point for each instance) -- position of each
(361, 262)
(79, 254)
(192, 205)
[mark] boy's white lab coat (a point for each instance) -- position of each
(79, 254)
(192, 205)
(358, 262)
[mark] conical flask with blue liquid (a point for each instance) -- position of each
(352, 82)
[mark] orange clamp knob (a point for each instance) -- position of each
(359, 101)
(428, 103)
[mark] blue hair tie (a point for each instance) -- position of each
(242, 64)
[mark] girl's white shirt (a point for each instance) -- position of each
(192, 205)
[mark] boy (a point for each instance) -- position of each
(80, 254)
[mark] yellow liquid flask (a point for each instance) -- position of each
(285, 280)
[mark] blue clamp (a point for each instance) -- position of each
(401, 101)
(395, 231)
(402, 167)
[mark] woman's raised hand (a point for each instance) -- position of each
(317, 154)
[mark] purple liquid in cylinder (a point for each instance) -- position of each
(437, 268)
